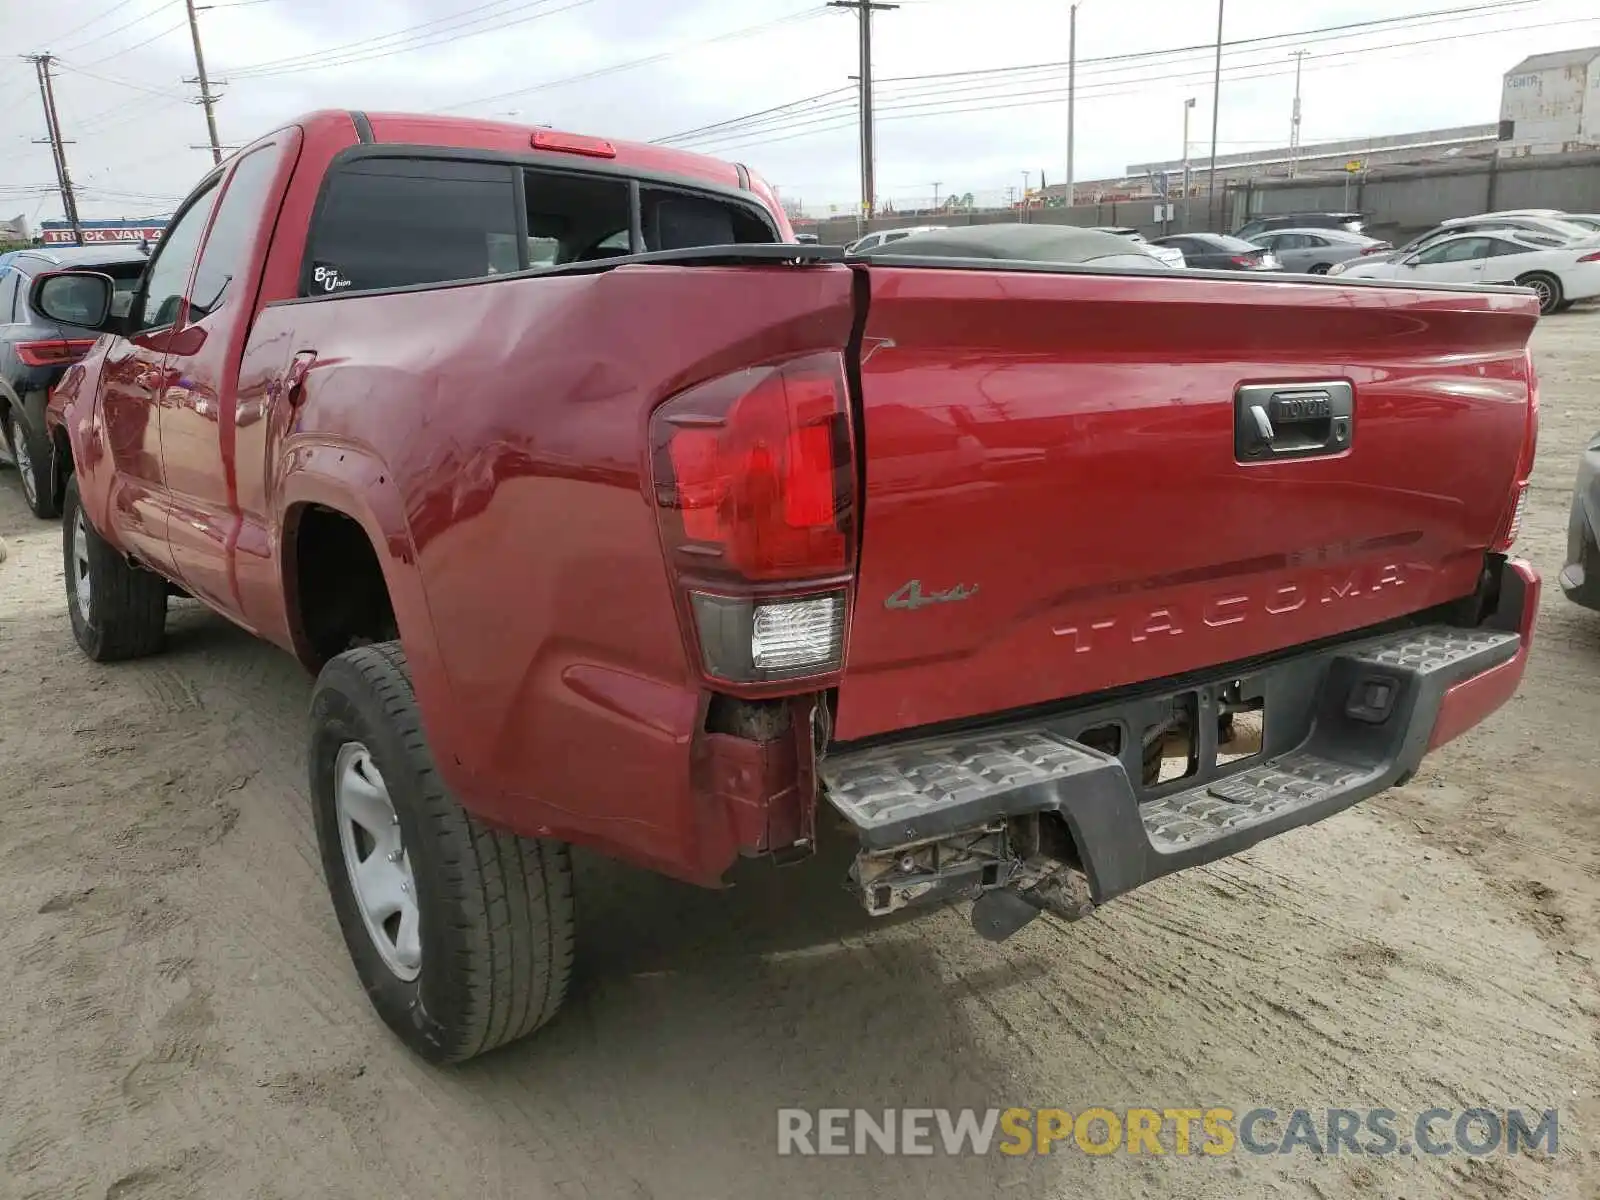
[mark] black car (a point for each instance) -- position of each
(35, 352)
(1219, 252)
(1350, 222)
(1580, 578)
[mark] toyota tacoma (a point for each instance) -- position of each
(608, 514)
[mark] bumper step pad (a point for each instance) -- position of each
(1342, 724)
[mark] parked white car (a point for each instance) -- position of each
(1559, 275)
(884, 236)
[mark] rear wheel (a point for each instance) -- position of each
(461, 934)
(1546, 286)
(31, 452)
(1318, 269)
(118, 610)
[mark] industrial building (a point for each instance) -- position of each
(1550, 104)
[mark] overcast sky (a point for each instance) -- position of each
(123, 101)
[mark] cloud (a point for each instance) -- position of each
(126, 107)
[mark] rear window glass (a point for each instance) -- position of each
(576, 218)
(395, 222)
(674, 220)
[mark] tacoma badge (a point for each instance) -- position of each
(911, 595)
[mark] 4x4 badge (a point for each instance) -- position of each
(911, 595)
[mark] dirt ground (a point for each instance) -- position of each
(181, 1020)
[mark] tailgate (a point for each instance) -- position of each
(1061, 493)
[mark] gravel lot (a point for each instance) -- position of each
(182, 1021)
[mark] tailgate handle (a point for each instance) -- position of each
(1292, 420)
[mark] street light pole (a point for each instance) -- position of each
(1216, 109)
(1188, 107)
(1072, 89)
(1299, 57)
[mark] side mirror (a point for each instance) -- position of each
(80, 298)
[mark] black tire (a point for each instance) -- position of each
(32, 453)
(127, 605)
(1547, 286)
(1318, 269)
(495, 911)
(1564, 305)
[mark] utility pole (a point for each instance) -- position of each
(1072, 90)
(863, 10)
(58, 146)
(936, 186)
(1299, 57)
(207, 100)
(1188, 107)
(1216, 110)
(1027, 178)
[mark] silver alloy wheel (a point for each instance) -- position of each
(376, 860)
(80, 564)
(1541, 289)
(24, 461)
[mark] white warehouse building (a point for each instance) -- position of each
(1550, 104)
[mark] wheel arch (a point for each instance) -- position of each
(341, 519)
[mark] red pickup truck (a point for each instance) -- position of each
(607, 513)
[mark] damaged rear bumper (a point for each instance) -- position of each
(962, 813)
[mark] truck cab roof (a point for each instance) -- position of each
(542, 141)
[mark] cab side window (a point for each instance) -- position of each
(228, 244)
(168, 276)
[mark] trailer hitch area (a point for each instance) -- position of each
(1012, 869)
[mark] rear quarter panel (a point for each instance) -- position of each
(509, 418)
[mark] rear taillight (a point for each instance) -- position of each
(1244, 260)
(1377, 248)
(1517, 502)
(1594, 257)
(59, 352)
(754, 482)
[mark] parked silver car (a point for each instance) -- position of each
(884, 236)
(1313, 251)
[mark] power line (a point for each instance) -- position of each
(154, 37)
(141, 18)
(405, 33)
(412, 42)
(808, 14)
(945, 102)
(778, 108)
(1033, 98)
(112, 79)
(77, 29)
(947, 82)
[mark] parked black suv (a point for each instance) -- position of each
(34, 353)
(1350, 222)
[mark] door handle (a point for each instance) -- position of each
(1292, 420)
(294, 378)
